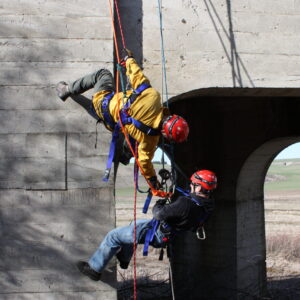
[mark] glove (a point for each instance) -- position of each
(123, 63)
(155, 183)
(161, 201)
(126, 54)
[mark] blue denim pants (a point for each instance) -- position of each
(121, 240)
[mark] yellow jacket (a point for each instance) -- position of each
(146, 108)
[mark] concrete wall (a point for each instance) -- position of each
(210, 47)
(222, 43)
(54, 207)
(51, 196)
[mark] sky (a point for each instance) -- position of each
(290, 152)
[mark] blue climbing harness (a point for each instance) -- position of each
(152, 227)
(107, 118)
(125, 119)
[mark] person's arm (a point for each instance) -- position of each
(146, 151)
(164, 212)
(134, 73)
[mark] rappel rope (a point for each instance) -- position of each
(165, 95)
(165, 85)
(154, 192)
(137, 164)
(127, 139)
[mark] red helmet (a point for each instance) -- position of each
(207, 179)
(175, 129)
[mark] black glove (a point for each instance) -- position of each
(126, 53)
(161, 201)
(154, 182)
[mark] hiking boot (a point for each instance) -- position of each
(63, 91)
(123, 264)
(85, 269)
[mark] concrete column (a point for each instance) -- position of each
(54, 207)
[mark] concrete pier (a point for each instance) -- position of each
(54, 208)
(232, 72)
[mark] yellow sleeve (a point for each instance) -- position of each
(146, 152)
(135, 74)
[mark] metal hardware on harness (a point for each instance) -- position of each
(106, 175)
(201, 235)
(164, 174)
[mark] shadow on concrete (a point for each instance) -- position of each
(131, 13)
(232, 53)
(284, 288)
(43, 232)
(147, 289)
(247, 129)
(131, 19)
(33, 250)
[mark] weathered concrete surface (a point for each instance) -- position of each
(54, 208)
(223, 43)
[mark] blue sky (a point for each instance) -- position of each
(292, 151)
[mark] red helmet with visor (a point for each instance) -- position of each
(175, 129)
(207, 179)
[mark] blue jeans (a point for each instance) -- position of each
(121, 240)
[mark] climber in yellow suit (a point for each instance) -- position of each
(148, 118)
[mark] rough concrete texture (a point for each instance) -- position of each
(223, 43)
(54, 207)
(47, 155)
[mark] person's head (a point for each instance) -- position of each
(203, 182)
(175, 128)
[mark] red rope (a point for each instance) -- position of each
(128, 142)
(153, 190)
(120, 24)
(134, 231)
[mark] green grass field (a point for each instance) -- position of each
(290, 172)
(286, 172)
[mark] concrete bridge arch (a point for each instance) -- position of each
(52, 201)
(237, 133)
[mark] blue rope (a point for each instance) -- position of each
(163, 51)
(164, 80)
(164, 72)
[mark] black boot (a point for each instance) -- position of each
(63, 91)
(123, 264)
(85, 269)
